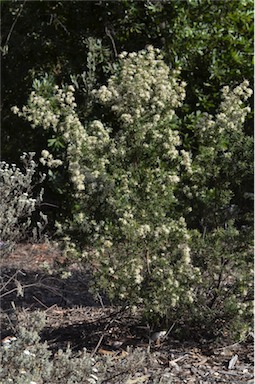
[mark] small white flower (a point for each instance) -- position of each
(108, 244)
(28, 353)
(45, 153)
(71, 88)
(15, 110)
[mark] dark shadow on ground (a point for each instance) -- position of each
(108, 329)
(38, 290)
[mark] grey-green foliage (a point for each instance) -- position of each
(26, 360)
(29, 361)
(17, 201)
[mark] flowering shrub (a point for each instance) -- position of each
(130, 174)
(125, 175)
(144, 87)
(18, 203)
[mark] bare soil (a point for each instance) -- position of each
(30, 281)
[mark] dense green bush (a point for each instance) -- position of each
(224, 298)
(137, 184)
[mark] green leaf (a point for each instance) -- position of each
(56, 143)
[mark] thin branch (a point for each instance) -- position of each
(219, 281)
(16, 289)
(5, 47)
(10, 279)
(116, 375)
(169, 330)
(98, 344)
(108, 33)
(10, 322)
(40, 302)
(101, 338)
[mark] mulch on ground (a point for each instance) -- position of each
(75, 318)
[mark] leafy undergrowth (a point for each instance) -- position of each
(53, 331)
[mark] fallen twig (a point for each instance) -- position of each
(10, 279)
(101, 338)
(139, 379)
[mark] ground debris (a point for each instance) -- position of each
(74, 318)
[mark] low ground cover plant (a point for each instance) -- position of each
(28, 360)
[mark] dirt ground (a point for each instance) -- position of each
(75, 318)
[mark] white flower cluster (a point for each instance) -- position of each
(233, 113)
(186, 161)
(185, 249)
(40, 114)
(143, 230)
(231, 116)
(138, 278)
(144, 87)
(47, 159)
(217, 136)
(40, 111)
(58, 112)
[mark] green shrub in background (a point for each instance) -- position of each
(224, 299)
(211, 41)
(216, 194)
(222, 162)
(136, 184)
